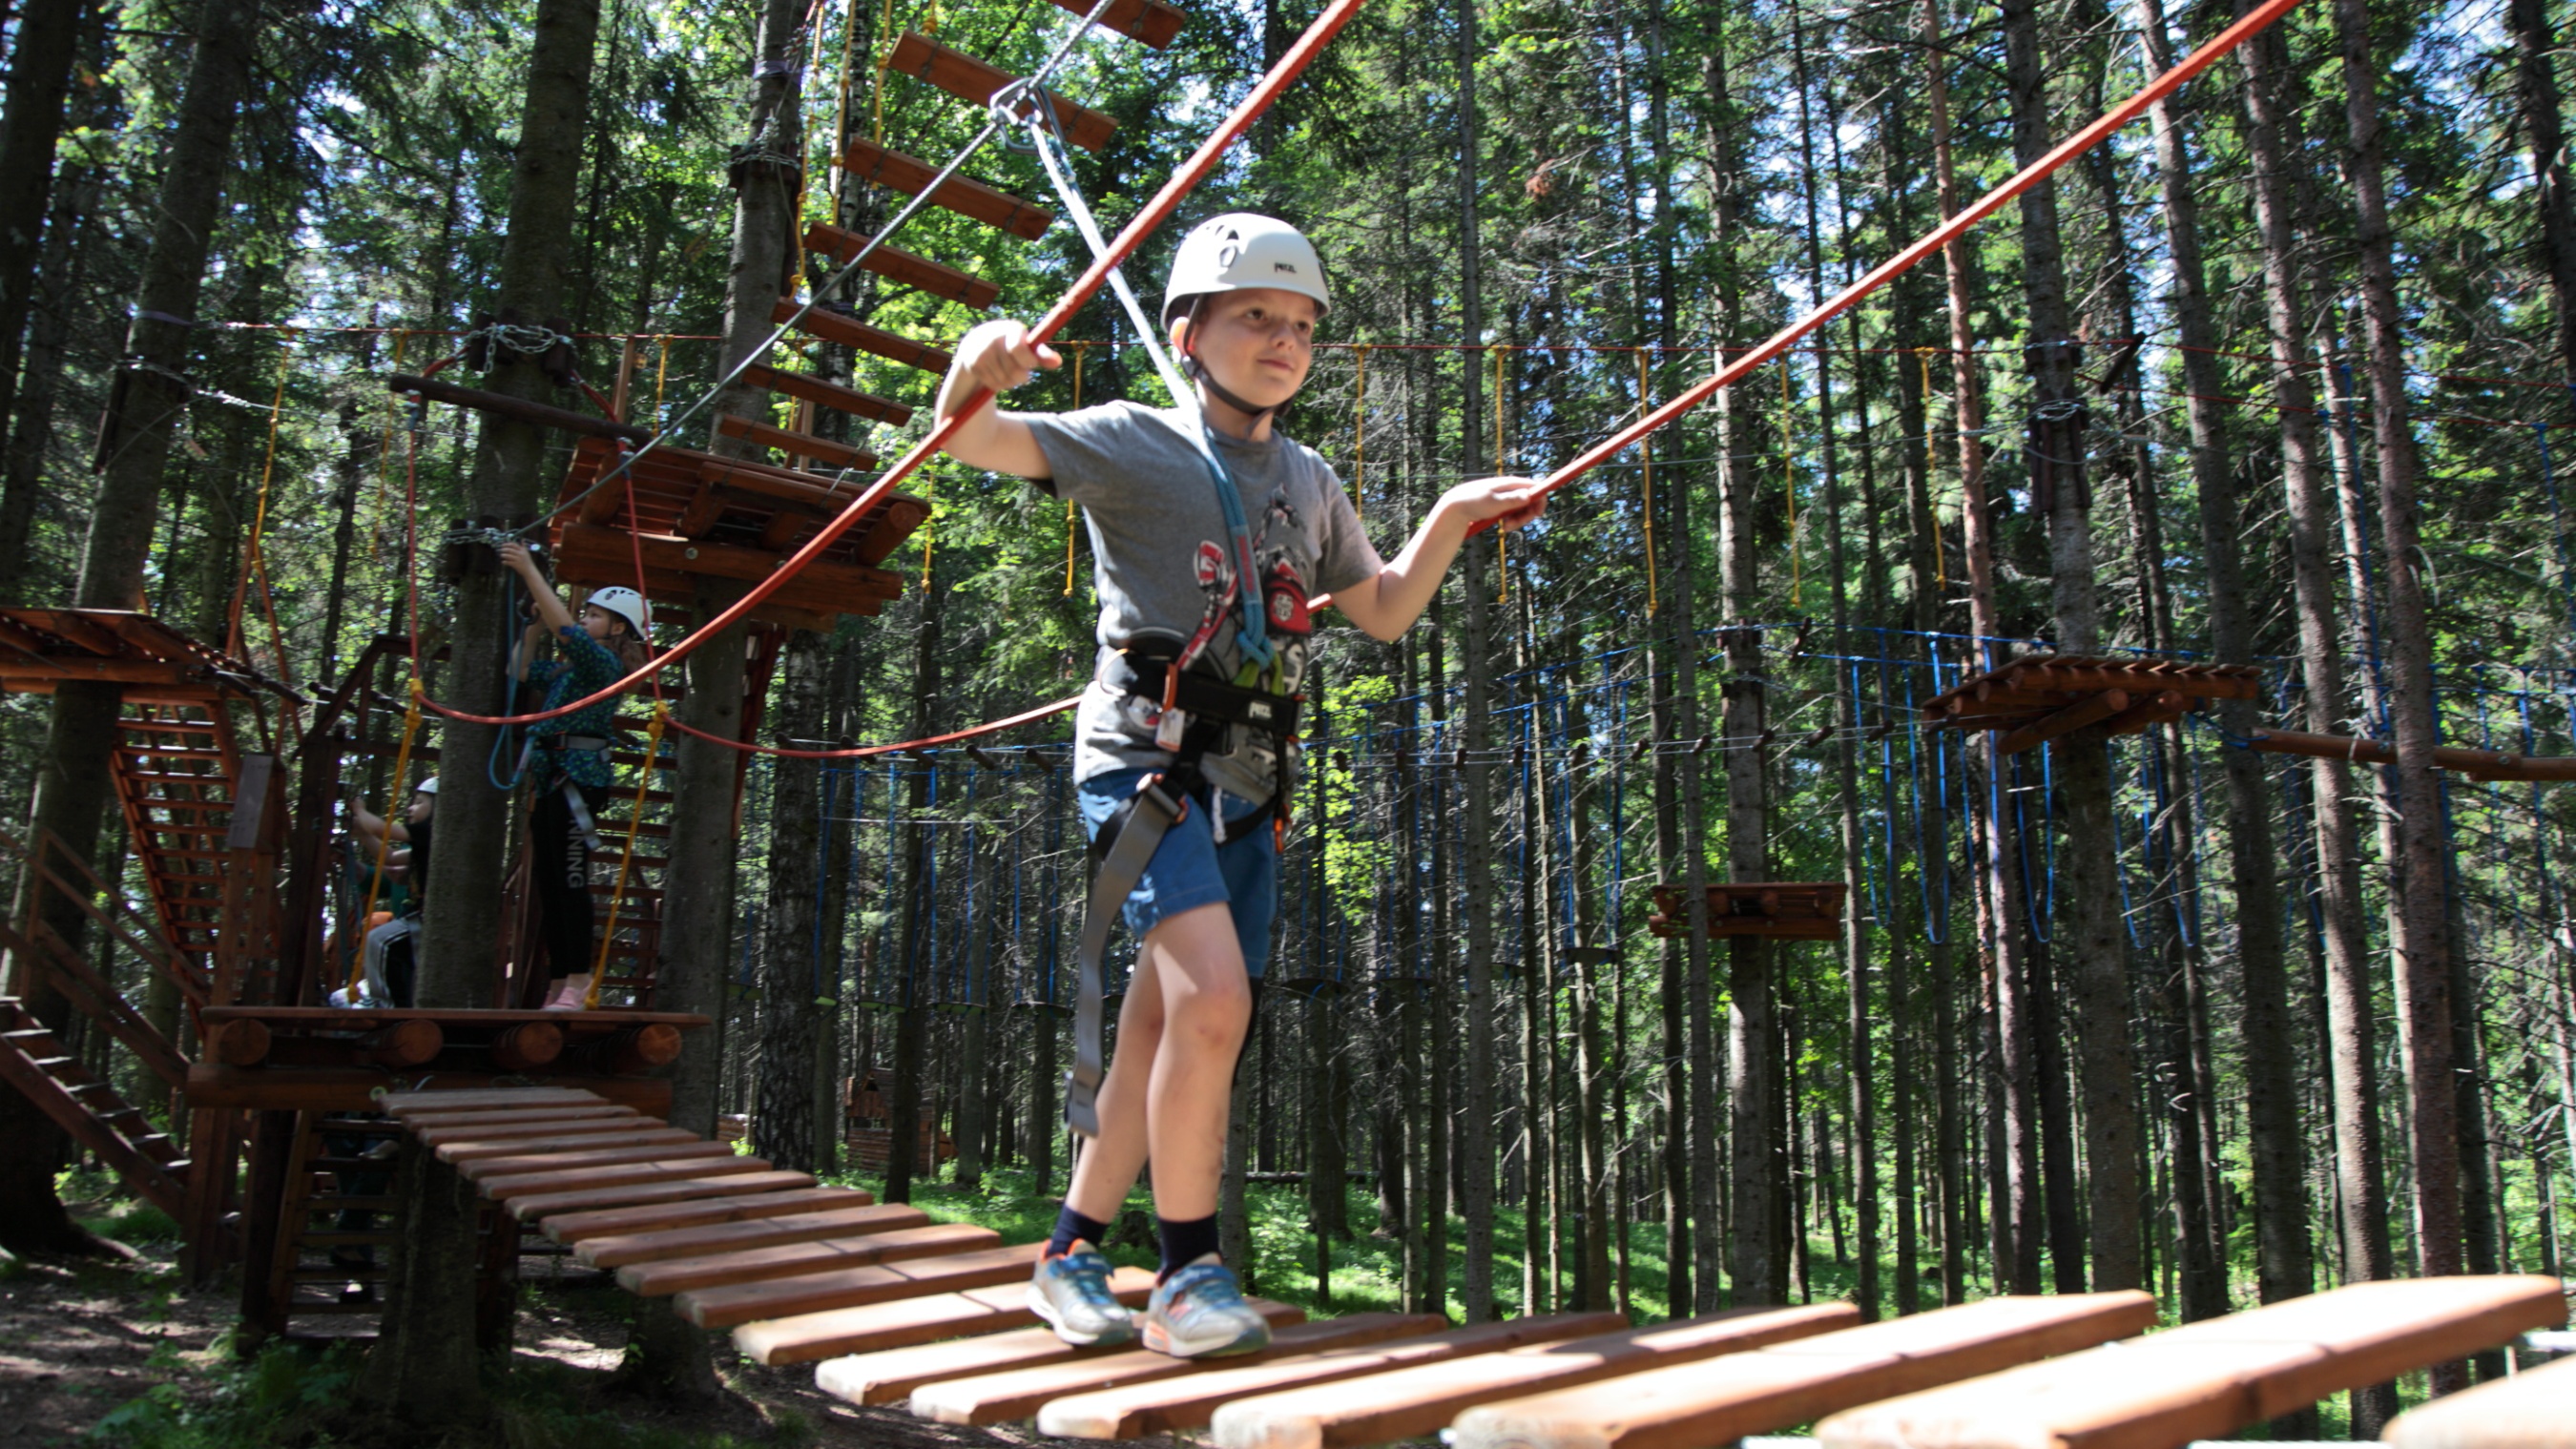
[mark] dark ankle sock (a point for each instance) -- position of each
(1185, 1243)
(1071, 1225)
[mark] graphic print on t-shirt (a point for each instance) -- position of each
(1283, 602)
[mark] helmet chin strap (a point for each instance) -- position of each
(1206, 377)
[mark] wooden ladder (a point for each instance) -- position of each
(176, 768)
(35, 1061)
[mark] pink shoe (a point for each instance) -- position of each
(571, 994)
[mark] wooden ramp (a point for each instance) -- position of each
(895, 1309)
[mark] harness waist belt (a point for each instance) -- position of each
(575, 742)
(1201, 697)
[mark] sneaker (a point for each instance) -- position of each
(1199, 1312)
(1071, 1292)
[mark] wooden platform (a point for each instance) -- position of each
(695, 515)
(40, 648)
(2035, 699)
(899, 1310)
(1781, 910)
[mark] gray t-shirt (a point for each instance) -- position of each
(1165, 565)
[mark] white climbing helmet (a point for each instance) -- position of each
(626, 604)
(427, 786)
(1243, 249)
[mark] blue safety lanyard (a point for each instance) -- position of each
(1254, 637)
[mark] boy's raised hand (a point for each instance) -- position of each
(999, 355)
(1505, 503)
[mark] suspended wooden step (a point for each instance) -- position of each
(2490, 765)
(1782, 910)
(801, 445)
(2040, 698)
(970, 199)
(969, 79)
(1147, 20)
(833, 325)
(516, 409)
(897, 265)
(808, 388)
(2534, 1409)
(697, 516)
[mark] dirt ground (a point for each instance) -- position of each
(78, 1338)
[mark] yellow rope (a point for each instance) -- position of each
(1502, 541)
(1646, 451)
(1789, 485)
(876, 88)
(1940, 557)
(1359, 442)
(661, 374)
(626, 862)
(1080, 350)
(841, 120)
(254, 559)
(385, 842)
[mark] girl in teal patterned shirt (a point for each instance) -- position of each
(568, 761)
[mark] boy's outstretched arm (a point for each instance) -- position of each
(1000, 356)
(1387, 605)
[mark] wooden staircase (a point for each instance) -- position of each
(176, 770)
(35, 1061)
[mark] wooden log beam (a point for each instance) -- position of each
(518, 409)
(834, 325)
(1150, 21)
(541, 1184)
(809, 388)
(969, 79)
(2534, 1409)
(712, 1183)
(620, 1250)
(582, 1225)
(806, 1337)
(2148, 711)
(897, 265)
(1184, 1404)
(788, 1260)
(1417, 1401)
(857, 1287)
(2208, 1379)
(973, 200)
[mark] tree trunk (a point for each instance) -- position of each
(783, 1128)
(2544, 130)
(40, 74)
(2086, 933)
(72, 784)
(463, 921)
(2422, 929)
(912, 1010)
(425, 1373)
(2283, 1265)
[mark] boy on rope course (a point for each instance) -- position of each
(568, 761)
(1210, 532)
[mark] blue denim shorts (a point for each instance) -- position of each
(1190, 869)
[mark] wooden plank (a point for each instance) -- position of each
(514, 1186)
(969, 79)
(485, 1149)
(1777, 1386)
(402, 1106)
(2534, 1409)
(788, 1260)
(1150, 21)
(819, 579)
(856, 1287)
(805, 1337)
(355, 1089)
(1183, 1404)
(897, 265)
(1005, 1395)
(1418, 1400)
(656, 1214)
(833, 325)
(638, 1194)
(973, 200)
(801, 445)
(618, 1250)
(502, 1169)
(2208, 1379)
(832, 395)
(433, 1128)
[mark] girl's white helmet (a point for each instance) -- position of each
(626, 604)
(1243, 249)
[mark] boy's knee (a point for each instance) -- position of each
(1216, 1013)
